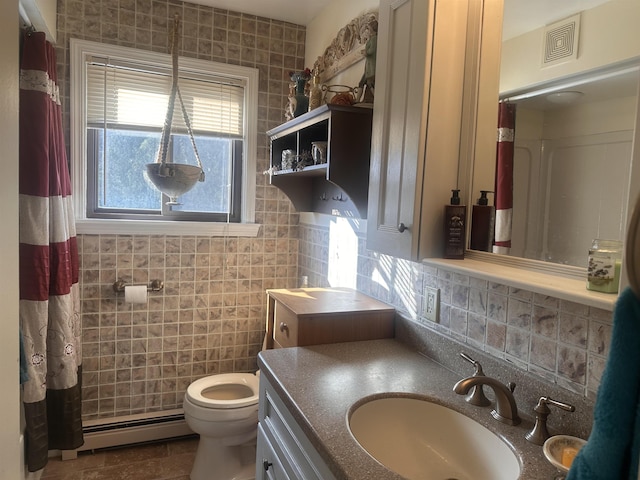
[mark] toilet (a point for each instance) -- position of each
(223, 410)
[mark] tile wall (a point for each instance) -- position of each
(209, 318)
(555, 340)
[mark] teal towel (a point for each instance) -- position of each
(613, 446)
(24, 373)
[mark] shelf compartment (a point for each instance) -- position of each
(319, 170)
(345, 175)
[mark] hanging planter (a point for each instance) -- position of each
(174, 179)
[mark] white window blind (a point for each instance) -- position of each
(125, 94)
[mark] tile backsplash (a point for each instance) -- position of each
(558, 341)
(210, 316)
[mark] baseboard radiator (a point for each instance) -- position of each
(125, 430)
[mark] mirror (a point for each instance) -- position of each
(574, 131)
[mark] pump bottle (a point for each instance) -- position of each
(454, 227)
(483, 219)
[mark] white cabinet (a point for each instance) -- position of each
(284, 452)
(268, 464)
(424, 117)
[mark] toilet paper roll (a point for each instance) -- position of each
(135, 294)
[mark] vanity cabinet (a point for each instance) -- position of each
(283, 451)
(268, 463)
(339, 184)
(312, 316)
(424, 118)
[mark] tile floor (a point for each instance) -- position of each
(171, 460)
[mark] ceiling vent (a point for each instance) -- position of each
(561, 41)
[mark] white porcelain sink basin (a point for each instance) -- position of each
(421, 440)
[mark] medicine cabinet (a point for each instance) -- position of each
(428, 68)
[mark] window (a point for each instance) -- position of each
(119, 101)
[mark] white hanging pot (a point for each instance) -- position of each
(174, 179)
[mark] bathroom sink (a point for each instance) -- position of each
(422, 440)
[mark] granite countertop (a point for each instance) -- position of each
(319, 385)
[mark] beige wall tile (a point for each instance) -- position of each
(201, 274)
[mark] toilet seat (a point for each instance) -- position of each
(202, 392)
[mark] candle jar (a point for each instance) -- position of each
(319, 152)
(287, 159)
(605, 262)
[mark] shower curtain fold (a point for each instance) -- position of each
(504, 177)
(49, 295)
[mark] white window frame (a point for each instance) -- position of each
(80, 52)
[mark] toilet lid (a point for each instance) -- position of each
(227, 390)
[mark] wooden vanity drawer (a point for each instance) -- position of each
(285, 327)
(313, 316)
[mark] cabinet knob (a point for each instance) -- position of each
(266, 464)
(402, 227)
(283, 326)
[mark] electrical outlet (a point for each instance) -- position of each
(431, 310)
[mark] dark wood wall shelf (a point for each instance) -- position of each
(341, 185)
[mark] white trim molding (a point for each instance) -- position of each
(159, 227)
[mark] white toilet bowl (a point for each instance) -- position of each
(223, 410)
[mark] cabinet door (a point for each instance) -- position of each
(399, 123)
(281, 441)
(426, 61)
(268, 466)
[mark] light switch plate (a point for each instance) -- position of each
(431, 310)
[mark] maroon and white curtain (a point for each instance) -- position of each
(49, 301)
(504, 177)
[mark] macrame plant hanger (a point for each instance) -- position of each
(174, 179)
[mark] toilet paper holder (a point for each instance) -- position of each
(153, 286)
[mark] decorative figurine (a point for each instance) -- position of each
(367, 82)
(300, 84)
(291, 104)
(315, 92)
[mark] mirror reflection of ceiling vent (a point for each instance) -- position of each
(561, 41)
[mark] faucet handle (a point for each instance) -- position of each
(473, 362)
(476, 395)
(564, 406)
(540, 433)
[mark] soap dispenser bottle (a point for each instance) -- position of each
(454, 227)
(483, 219)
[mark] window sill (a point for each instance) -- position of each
(565, 288)
(159, 227)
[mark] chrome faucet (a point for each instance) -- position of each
(476, 396)
(506, 410)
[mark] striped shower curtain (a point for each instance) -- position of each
(504, 177)
(49, 301)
